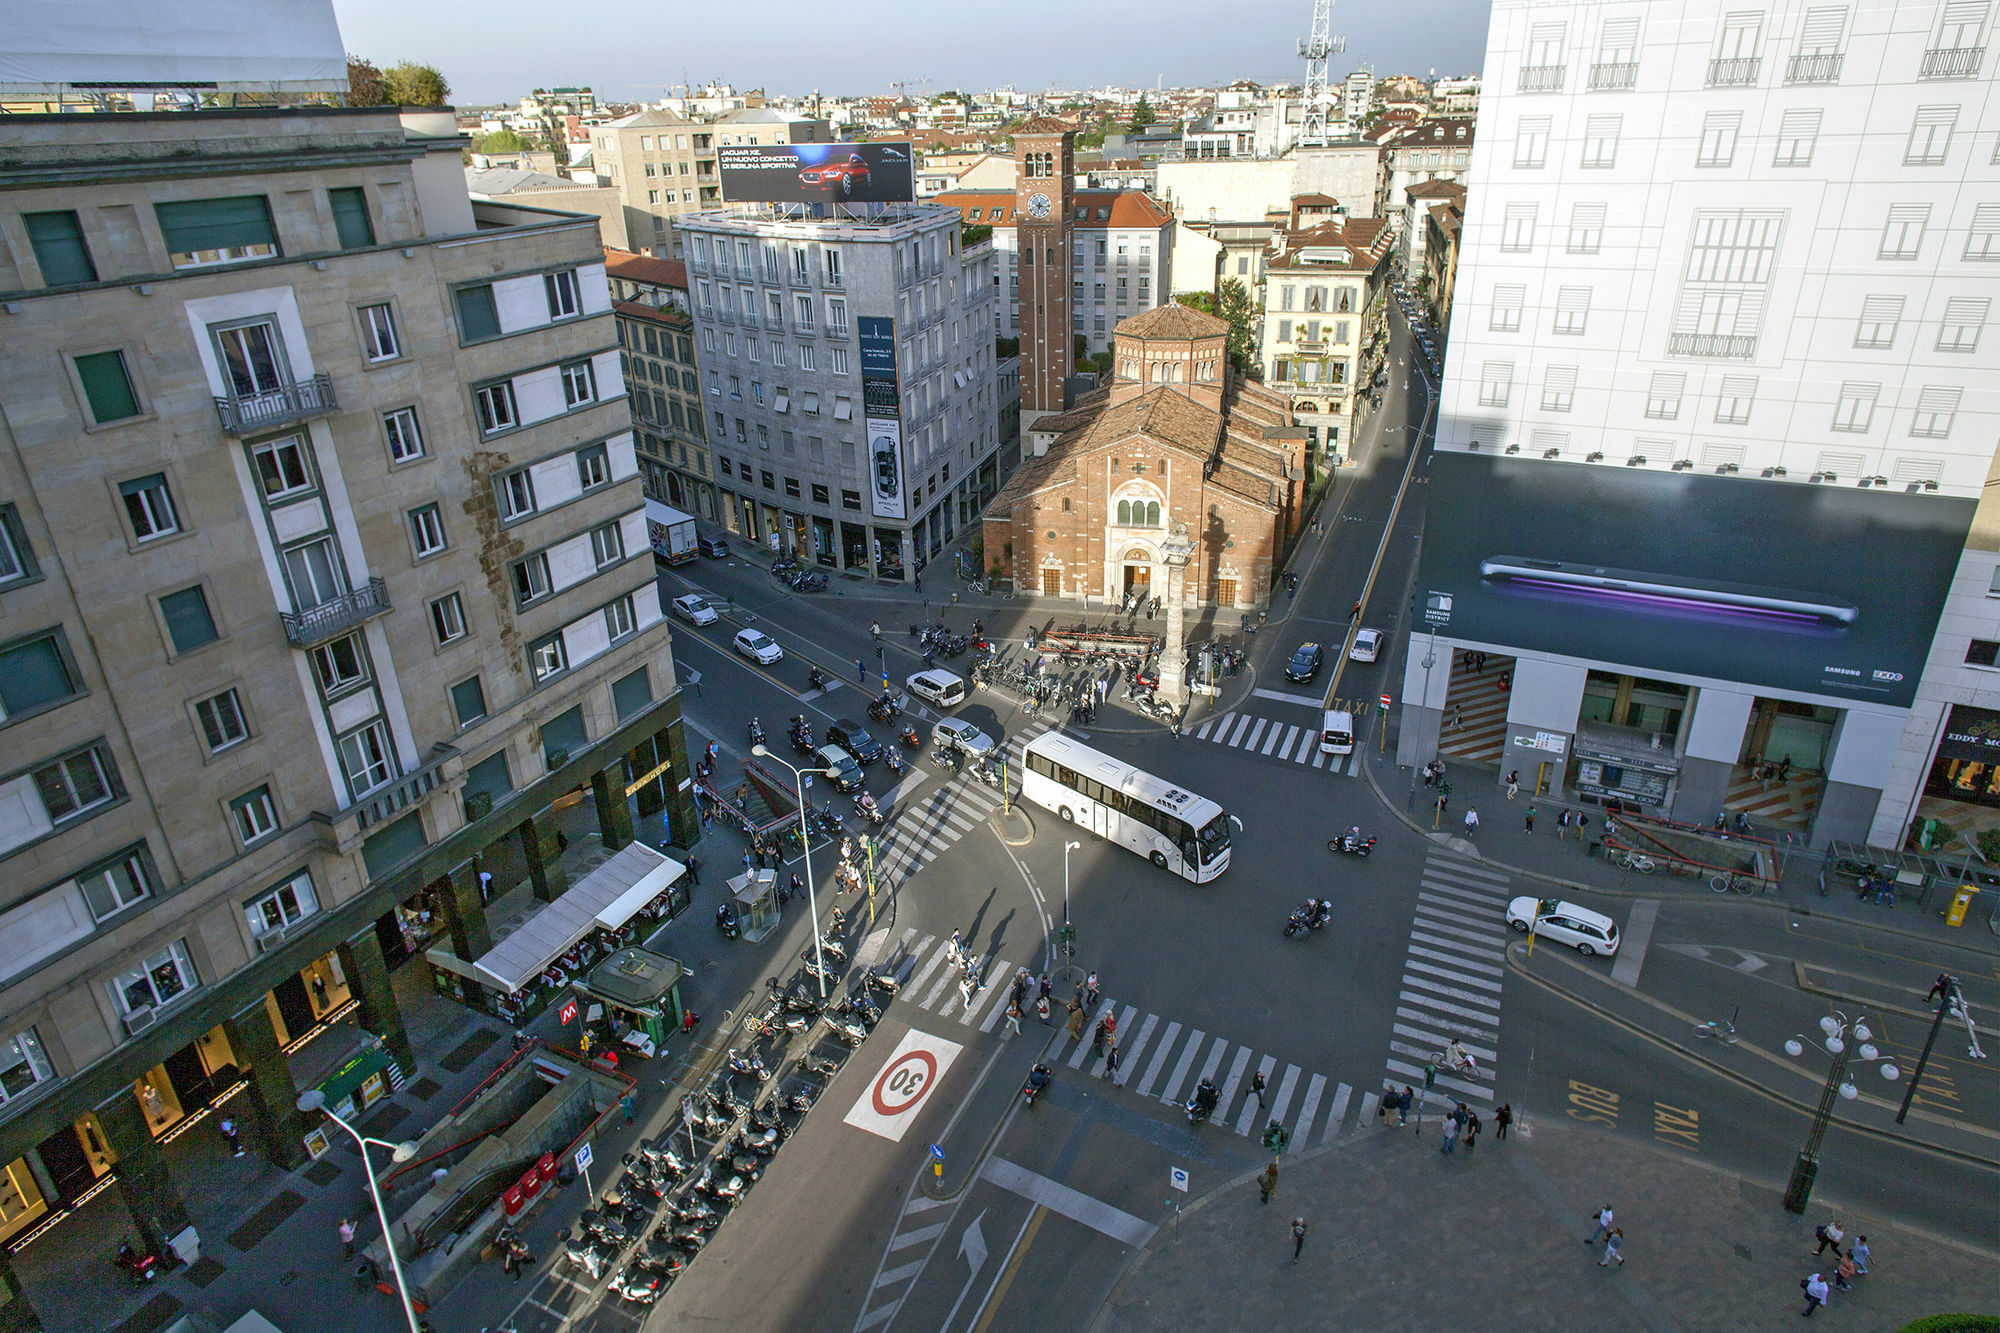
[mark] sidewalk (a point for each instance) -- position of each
(1400, 1235)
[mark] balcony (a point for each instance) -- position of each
(330, 620)
(281, 407)
(798, 279)
(804, 329)
(387, 802)
(1311, 346)
(1819, 67)
(1614, 77)
(1952, 62)
(1719, 346)
(1734, 71)
(1542, 78)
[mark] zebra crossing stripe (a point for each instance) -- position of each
(1220, 725)
(918, 980)
(1256, 733)
(997, 1005)
(1160, 1054)
(1291, 1081)
(1469, 950)
(1226, 1100)
(1236, 735)
(1458, 961)
(1307, 1109)
(1438, 1041)
(1470, 1015)
(1173, 1089)
(1214, 1062)
(1124, 1074)
(1470, 997)
(1082, 1046)
(1338, 1114)
(1429, 918)
(1272, 744)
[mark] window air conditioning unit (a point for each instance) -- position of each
(271, 939)
(138, 1021)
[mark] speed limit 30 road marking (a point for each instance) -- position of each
(899, 1089)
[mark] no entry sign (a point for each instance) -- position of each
(899, 1089)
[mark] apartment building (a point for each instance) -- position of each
(656, 350)
(1318, 344)
(325, 574)
(1121, 257)
(1436, 150)
(847, 372)
(1725, 278)
(663, 163)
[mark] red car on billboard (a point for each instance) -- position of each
(841, 178)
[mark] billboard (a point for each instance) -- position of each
(191, 46)
(882, 415)
(817, 173)
(1816, 589)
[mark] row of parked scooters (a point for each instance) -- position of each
(673, 1192)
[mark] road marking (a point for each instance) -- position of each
(1338, 1113)
(1457, 960)
(905, 1082)
(917, 1237)
(922, 976)
(1074, 1204)
(923, 1203)
(1272, 744)
(1353, 765)
(1431, 918)
(1160, 1054)
(1311, 701)
(1285, 1087)
(1236, 1067)
(1307, 1109)
(1193, 1048)
(898, 1274)
(877, 1315)
(1214, 1062)
(1470, 997)
(1138, 1044)
(998, 1005)
(1638, 934)
(1221, 724)
(1236, 735)
(1431, 1007)
(1468, 950)
(1005, 1278)
(1438, 1041)
(1256, 734)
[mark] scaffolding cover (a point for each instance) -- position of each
(225, 45)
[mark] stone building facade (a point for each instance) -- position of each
(1175, 439)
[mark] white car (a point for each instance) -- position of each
(695, 609)
(1589, 933)
(758, 646)
(956, 733)
(1367, 646)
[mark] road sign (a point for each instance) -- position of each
(898, 1091)
(567, 1014)
(1386, 701)
(583, 1158)
(1178, 1178)
(937, 1153)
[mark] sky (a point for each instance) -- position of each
(497, 50)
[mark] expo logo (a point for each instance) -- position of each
(1888, 676)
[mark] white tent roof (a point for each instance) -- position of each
(605, 898)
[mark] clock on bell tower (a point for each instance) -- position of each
(1044, 208)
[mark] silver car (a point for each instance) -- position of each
(957, 734)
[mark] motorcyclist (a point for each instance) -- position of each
(1038, 1077)
(1205, 1098)
(1319, 912)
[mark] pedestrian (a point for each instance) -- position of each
(1111, 1059)
(347, 1235)
(1816, 1293)
(1844, 1272)
(920, 582)
(1354, 612)
(228, 1127)
(1828, 1234)
(1471, 820)
(1612, 1244)
(1257, 1088)
(749, 861)
(1938, 988)
(1471, 1130)
(1014, 1017)
(1090, 991)
(1298, 1237)
(1403, 1106)
(1531, 819)
(1075, 1021)
(1501, 1119)
(1267, 1180)
(875, 628)
(629, 1104)
(1458, 717)
(1042, 985)
(860, 672)
(1430, 773)
(1513, 784)
(1450, 1136)
(1603, 1225)
(1042, 1009)
(1859, 1254)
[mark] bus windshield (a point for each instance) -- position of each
(1214, 838)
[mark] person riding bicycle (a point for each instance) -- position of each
(1459, 1058)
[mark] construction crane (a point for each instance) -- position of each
(1319, 99)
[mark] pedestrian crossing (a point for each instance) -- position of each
(927, 823)
(1158, 1057)
(1271, 738)
(1475, 709)
(1452, 973)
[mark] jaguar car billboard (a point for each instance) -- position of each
(882, 412)
(817, 173)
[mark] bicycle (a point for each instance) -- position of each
(1635, 861)
(1723, 883)
(1725, 1032)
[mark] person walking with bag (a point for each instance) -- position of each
(1613, 1242)
(1267, 1181)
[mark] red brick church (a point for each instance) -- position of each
(1174, 438)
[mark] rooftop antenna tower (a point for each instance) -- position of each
(1319, 99)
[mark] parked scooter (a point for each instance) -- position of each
(748, 1065)
(847, 1029)
(726, 922)
(817, 1065)
(756, 730)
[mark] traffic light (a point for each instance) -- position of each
(1430, 1075)
(1068, 937)
(1275, 1137)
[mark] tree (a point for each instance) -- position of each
(365, 86)
(1142, 114)
(411, 84)
(1201, 301)
(499, 142)
(1233, 304)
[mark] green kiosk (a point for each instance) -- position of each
(641, 994)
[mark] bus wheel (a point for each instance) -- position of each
(1160, 860)
(1067, 817)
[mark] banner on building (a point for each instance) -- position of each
(1824, 590)
(817, 173)
(882, 415)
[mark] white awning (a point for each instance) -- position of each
(596, 901)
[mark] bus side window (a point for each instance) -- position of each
(1187, 851)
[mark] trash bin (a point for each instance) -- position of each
(1960, 902)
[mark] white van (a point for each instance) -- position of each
(941, 689)
(1336, 732)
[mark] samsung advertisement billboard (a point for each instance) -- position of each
(817, 173)
(882, 416)
(1818, 589)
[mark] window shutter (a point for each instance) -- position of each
(59, 248)
(478, 316)
(216, 224)
(350, 217)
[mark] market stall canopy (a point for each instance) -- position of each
(605, 899)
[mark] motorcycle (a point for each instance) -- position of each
(802, 1002)
(756, 730)
(799, 1102)
(988, 774)
(726, 922)
(760, 1143)
(749, 1065)
(882, 709)
(885, 981)
(724, 1191)
(847, 1029)
(817, 679)
(1351, 843)
(820, 976)
(892, 762)
(817, 1065)
(1309, 915)
(668, 1164)
(586, 1252)
(1201, 1102)
(864, 805)
(910, 739)
(143, 1268)
(830, 949)
(638, 1283)
(1038, 1079)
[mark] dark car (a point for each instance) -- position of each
(1305, 663)
(713, 547)
(841, 178)
(850, 736)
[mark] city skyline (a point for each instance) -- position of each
(485, 65)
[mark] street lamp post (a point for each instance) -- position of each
(1068, 931)
(1837, 1027)
(1430, 660)
(805, 840)
(315, 1100)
